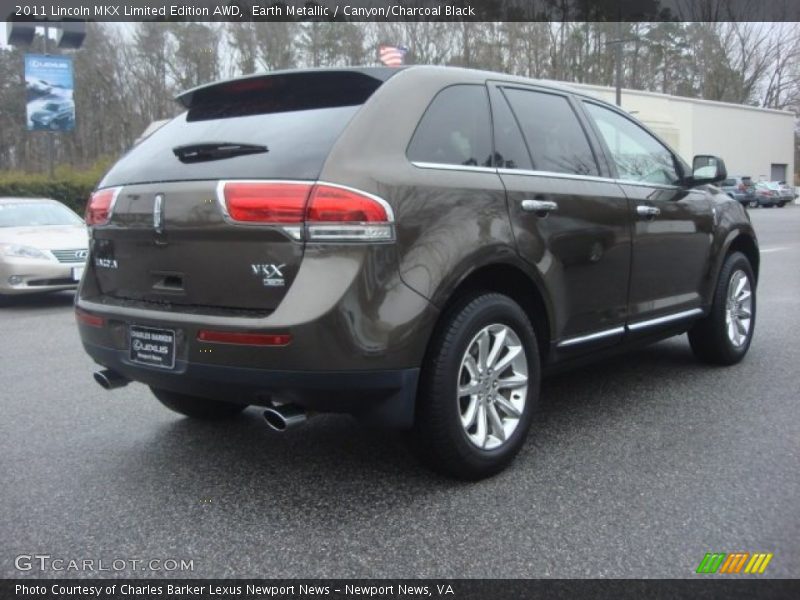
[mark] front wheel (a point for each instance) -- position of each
(723, 337)
(478, 389)
(196, 407)
(781, 204)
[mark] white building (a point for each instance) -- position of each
(758, 142)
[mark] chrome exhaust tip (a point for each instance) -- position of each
(110, 380)
(284, 417)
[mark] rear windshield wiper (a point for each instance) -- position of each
(215, 151)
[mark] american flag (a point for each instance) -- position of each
(392, 56)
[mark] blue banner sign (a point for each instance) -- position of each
(48, 93)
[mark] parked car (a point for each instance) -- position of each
(787, 192)
(370, 241)
(741, 189)
(56, 114)
(43, 247)
(37, 87)
(768, 194)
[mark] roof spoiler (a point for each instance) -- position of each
(257, 81)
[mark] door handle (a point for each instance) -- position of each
(648, 211)
(539, 206)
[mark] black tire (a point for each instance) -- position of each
(198, 408)
(438, 437)
(781, 204)
(709, 337)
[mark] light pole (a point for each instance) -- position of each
(618, 60)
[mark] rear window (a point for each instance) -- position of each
(729, 183)
(297, 117)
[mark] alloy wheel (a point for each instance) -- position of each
(739, 308)
(492, 386)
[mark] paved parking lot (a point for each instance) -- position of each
(636, 467)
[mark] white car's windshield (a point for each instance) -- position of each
(33, 214)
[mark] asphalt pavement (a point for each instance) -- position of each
(635, 467)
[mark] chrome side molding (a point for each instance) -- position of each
(665, 319)
(639, 325)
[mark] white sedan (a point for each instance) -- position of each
(43, 246)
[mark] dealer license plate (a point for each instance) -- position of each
(152, 347)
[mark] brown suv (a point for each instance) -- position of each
(415, 247)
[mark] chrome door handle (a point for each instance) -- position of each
(648, 211)
(539, 206)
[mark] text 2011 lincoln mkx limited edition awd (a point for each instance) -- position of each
(415, 247)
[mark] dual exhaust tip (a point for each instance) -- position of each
(285, 417)
(280, 418)
(110, 380)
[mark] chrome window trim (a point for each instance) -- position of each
(534, 173)
(665, 319)
(449, 167)
(662, 186)
(592, 336)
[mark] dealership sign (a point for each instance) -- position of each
(48, 93)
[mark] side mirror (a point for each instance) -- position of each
(707, 169)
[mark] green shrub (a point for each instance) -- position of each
(67, 185)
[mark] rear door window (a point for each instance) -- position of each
(554, 135)
(510, 151)
(455, 129)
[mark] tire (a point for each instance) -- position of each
(781, 204)
(753, 204)
(197, 408)
(712, 339)
(439, 437)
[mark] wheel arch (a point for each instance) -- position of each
(745, 243)
(512, 280)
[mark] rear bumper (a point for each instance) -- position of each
(383, 397)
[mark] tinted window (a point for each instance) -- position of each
(638, 155)
(729, 183)
(510, 150)
(298, 119)
(455, 129)
(555, 138)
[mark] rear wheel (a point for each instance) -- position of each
(724, 336)
(781, 204)
(197, 408)
(478, 389)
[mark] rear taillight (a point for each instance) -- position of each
(101, 205)
(89, 319)
(266, 202)
(317, 211)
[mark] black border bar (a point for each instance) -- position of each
(402, 10)
(415, 589)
